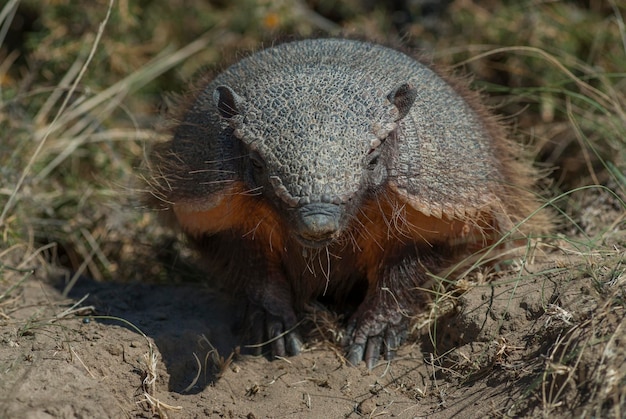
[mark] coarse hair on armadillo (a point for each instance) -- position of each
(521, 205)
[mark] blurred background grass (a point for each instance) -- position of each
(73, 135)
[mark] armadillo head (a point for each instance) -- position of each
(314, 144)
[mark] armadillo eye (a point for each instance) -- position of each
(372, 158)
(256, 161)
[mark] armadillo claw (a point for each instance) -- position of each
(264, 329)
(294, 343)
(274, 331)
(369, 347)
(355, 354)
(283, 343)
(394, 336)
(372, 352)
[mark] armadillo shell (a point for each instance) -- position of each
(444, 163)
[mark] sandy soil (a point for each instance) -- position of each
(508, 347)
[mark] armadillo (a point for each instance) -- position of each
(339, 170)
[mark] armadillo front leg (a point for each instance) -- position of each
(381, 322)
(273, 319)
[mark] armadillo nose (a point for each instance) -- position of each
(318, 223)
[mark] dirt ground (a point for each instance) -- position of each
(541, 338)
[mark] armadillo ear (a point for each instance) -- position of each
(228, 102)
(403, 96)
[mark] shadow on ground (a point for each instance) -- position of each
(176, 317)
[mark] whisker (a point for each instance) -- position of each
(325, 272)
(252, 232)
(365, 232)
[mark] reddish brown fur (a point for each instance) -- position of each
(236, 211)
(383, 228)
(387, 225)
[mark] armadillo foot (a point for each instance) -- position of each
(370, 336)
(265, 328)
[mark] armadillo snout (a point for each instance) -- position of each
(317, 224)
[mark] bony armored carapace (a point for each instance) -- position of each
(339, 169)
